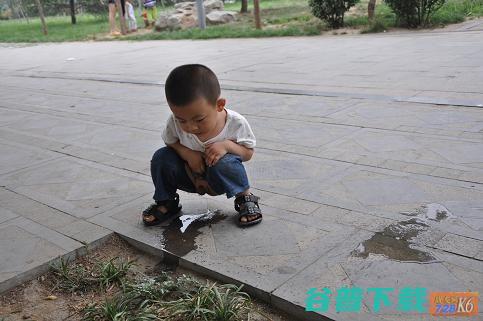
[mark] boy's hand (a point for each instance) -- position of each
(214, 152)
(195, 161)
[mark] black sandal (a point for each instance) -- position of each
(248, 205)
(172, 207)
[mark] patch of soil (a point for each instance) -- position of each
(39, 300)
(139, 32)
(343, 31)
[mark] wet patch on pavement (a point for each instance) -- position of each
(397, 240)
(180, 235)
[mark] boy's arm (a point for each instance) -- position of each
(244, 152)
(217, 150)
(193, 158)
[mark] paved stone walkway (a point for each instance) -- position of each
(369, 161)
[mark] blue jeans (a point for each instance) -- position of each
(227, 176)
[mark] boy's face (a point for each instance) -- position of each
(199, 117)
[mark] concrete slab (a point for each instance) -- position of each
(15, 156)
(27, 248)
(80, 188)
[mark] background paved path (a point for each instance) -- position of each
(369, 160)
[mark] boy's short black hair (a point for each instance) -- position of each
(187, 83)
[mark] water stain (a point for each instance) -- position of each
(433, 211)
(179, 236)
(396, 240)
(438, 212)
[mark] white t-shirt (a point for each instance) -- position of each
(236, 129)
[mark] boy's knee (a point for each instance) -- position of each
(226, 163)
(163, 155)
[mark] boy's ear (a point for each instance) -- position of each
(220, 104)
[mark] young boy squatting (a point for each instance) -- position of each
(206, 144)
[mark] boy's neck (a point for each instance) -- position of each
(220, 124)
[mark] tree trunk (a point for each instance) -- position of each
(72, 12)
(41, 15)
(256, 10)
(371, 7)
(244, 6)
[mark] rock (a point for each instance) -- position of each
(219, 17)
(185, 6)
(168, 22)
(212, 5)
(162, 23)
(174, 21)
(189, 21)
(185, 15)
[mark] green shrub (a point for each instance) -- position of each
(331, 11)
(414, 13)
(375, 26)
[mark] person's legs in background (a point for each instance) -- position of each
(153, 12)
(112, 18)
(145, 18)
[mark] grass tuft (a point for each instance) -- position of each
(113, 271)
(375, 26)
(210, 302)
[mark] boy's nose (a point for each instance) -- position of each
(193, 128)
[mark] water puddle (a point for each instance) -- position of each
(186, 220)
(179, 236)
(433, 211)
(396, 241)
(438, 212)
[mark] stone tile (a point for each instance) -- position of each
(291, 204)
(447, 172)
(27, 248)
(372, 188)
(8, 115)
(297, 133)
(419, 168)
(473, 280)
(35, 211)
(58, 128)
(84, 232)
(263, 239)
(6, 215)
(352, 218)
(14, 156)
(79, 188)
(463, 262)
(460, 245)
(326, 271)
(399, 275)
(126, 142)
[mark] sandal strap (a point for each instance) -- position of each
(246, 198)
(247, 205)
(171, 205)
(250, 210)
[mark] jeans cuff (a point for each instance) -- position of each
(234, 192)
